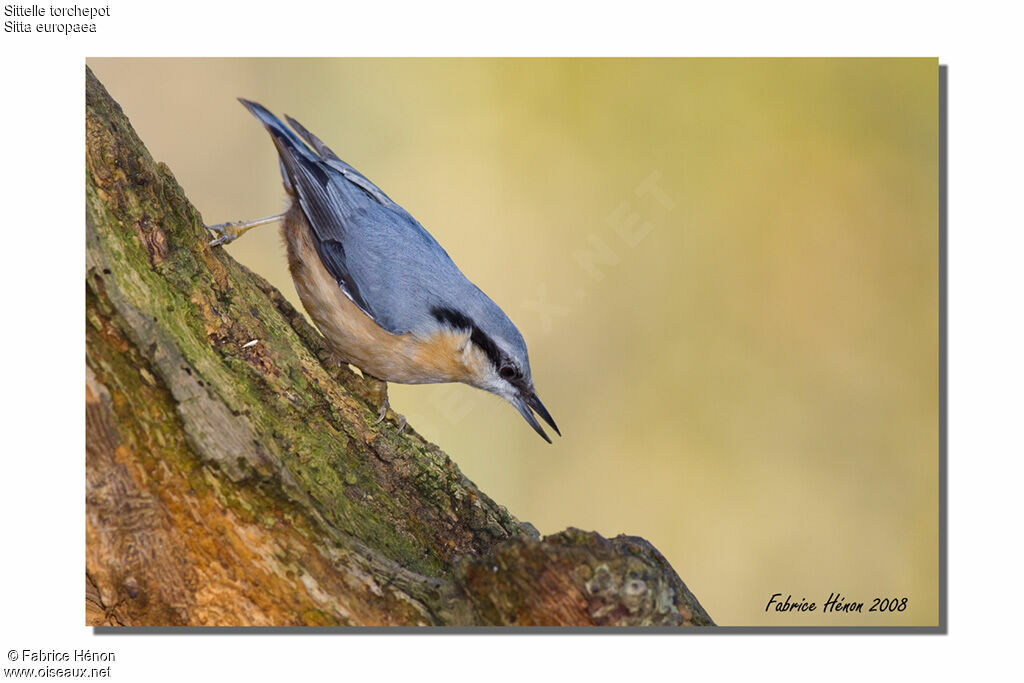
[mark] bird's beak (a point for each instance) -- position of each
(527, 400)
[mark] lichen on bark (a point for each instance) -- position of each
(231, 483)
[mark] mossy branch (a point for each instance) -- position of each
(232, 483)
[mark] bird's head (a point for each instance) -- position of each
(495, 358)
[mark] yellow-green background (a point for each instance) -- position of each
(750, 381)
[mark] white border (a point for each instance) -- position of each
(41, 482)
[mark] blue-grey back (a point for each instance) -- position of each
(399, 268)
(383, 259)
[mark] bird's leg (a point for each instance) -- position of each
(229, 232)
(380, 396)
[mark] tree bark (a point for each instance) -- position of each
(239, 483)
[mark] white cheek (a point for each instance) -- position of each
(493, 383)
(505, 390)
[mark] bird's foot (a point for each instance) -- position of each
(380, 390)
(382, 413)
(231, 231)
(226, 232)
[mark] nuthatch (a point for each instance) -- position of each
(383, 292)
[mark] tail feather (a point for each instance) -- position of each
(277, 129)
(290, 148)
(335, 162)
(314, 142)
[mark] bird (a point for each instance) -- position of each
(385, 295)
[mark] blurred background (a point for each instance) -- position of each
(726, 272)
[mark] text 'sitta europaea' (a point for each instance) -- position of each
(386, 296)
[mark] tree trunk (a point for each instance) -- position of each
(238, 483)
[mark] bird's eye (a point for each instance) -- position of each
(507, 372)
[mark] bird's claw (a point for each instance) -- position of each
(232, 230)
(229, 232)
(382, 413)
(385, 407)
(380, 389)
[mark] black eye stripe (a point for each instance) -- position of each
(459, 321)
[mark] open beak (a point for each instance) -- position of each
(527, 400)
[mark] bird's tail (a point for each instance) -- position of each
(277, 128)
(290, 148)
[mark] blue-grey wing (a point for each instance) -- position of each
(381, 257)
